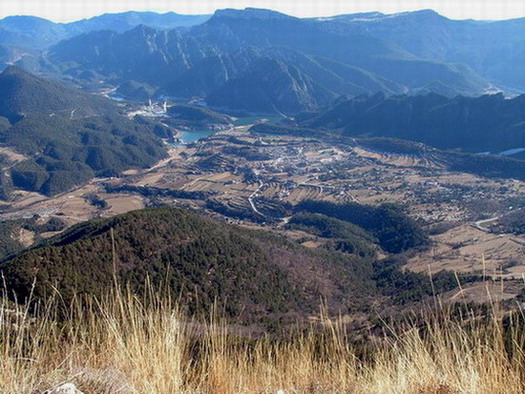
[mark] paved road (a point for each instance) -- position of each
(479, 224)
(254, 194)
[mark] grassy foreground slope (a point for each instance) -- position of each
(127, 344)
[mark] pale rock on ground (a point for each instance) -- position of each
(66, 388)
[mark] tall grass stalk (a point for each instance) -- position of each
(128, 344)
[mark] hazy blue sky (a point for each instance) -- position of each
(67, 10)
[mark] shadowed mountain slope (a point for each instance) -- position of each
(487, 123)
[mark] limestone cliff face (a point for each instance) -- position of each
(272, 86)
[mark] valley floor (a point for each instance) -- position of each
(247, 173)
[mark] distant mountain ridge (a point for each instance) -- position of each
(38, 33)
(237, 52)
(314, 60)
(127, 20)
(491, 48)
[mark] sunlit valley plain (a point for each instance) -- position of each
(251, 202)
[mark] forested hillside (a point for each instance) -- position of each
(395, 231)
(251, 273)
(68, 136)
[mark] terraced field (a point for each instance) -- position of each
(235, 187)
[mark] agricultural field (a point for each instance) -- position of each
(252, 180)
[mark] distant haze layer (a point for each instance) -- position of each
(67, 11)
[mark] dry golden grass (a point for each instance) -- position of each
(124, 344)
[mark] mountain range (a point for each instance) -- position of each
(32, 32)
(262, 61)
(491, 48)
(266, 61)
